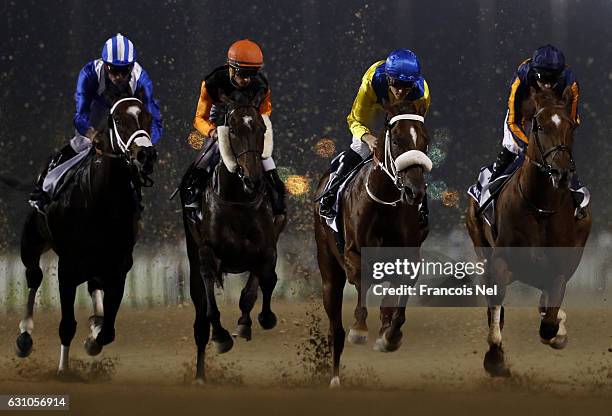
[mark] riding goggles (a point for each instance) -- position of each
(119, 70)
(547, 76)
(398, 83)
(245, 72)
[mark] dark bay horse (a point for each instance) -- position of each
(92, 227)
(378, 209)
(534, 210)
(236, 233)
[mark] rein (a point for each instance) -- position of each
(388, 166)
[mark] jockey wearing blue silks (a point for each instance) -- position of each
(116, 74)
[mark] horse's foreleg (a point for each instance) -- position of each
(267, 318)
(32, 246)
(220, 336)
(113, 294)
(201, 324)
(67, 327)
(358, 333)
(248, 296)
(96, 320)
(497, 275)
(392, 320)
(552, 327)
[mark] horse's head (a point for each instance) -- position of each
(404, 150)
(551, 138)
(244, 141)
(129, 125)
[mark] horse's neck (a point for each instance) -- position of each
(109, 178)
(381, 184)
(537, 187)
(228, 186)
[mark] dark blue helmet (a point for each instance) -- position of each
(548, 57)
(403, 65)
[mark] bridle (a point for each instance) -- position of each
(544, 166)
(121, 147)
(388, 165)
(248, 184)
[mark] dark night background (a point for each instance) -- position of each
(315, 54)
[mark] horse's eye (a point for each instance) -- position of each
(540, 128)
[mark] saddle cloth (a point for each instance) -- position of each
(483, 190)
(57, 176)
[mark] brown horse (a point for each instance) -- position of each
(534, 210)
(378, 209)
(236, 233)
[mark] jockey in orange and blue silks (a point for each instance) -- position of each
(546, 69)
(396, 79)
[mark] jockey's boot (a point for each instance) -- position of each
(348, 162)
(504, 158)
(38, 197)
(578, 198)
(276, 190)
(193, 187)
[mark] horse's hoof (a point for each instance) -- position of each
(23, 345)
(382, 344)
(334, 383)
(92, 347)
(559, 342)
(199, 381)
(494, 363)
(243, 331)
(224, 345)
(358, 336)
(267, 320)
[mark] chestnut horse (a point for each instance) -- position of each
(534, 210)
(379, 208)
(92, 225)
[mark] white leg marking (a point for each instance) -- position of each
(64, 357)
(562, 317)
(26, 325)
(495, 337)
(97, 301)
(334, 383)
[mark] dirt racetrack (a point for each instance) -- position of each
(438, 369)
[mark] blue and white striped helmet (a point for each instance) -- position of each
(119, 51)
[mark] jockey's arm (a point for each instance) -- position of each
(87, 83)
(514, 112)
(152, 107)
(265, 109)
(575, 96)
(363, 109)
(202, 122)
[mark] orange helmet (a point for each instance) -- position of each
(245, 54)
